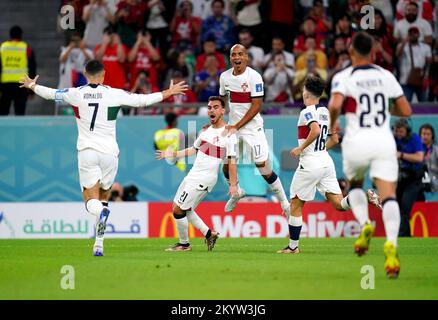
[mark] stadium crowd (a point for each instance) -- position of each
(144, 43)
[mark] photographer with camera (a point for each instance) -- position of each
(427, 134)
(410, 156)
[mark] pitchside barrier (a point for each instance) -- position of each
(38, 159)
(52, 220)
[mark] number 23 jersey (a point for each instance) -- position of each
(368, 92)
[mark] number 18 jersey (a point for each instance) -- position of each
(315, 155)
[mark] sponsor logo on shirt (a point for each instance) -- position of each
(323, 117)
(58, 93)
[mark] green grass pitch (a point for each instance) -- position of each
(236, 269)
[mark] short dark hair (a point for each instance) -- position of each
(94, 67)
(428, 126)
(245, 30)
(315, 85)
(16, 32)
(109, 30)
(170, 118)
(220, 1)
(363, 43)
(217, 98)
(277, 37)
(412, 3)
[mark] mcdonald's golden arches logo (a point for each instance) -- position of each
(168, 216)
(425, 228)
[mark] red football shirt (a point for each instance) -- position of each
(143, 62)
(114, 72)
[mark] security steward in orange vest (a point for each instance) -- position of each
(17, 60)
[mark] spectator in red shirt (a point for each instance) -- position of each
(185, 28)
(338, 48)
(210, 49)
(113, 54)
(130, 18)
(323, 22)
(308, 29)
(343, 28)
(143, 56)
(188, 97)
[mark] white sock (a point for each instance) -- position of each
(197, 222)
(277, 188)
(182, 225)
(359, 205)
(344, 204)
(94, 207)
(99, 241)
(391, 219)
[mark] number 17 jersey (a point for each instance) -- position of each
(315, 155)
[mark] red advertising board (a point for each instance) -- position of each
(265, 220)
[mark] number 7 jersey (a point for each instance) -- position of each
(315, 155)
(96, 108)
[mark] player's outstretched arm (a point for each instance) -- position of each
(144, 100)
(175, 89)
(160, 154)
(43, 92)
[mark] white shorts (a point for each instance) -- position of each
(380, 160)
(95, 166)
(189, 195)
(305, 182)
(256, 141)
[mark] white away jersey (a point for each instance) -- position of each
(240, 91)
(368, 92)
(315, 155)
(96, 108)
(212, 148)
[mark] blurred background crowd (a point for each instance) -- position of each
(145, 43)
